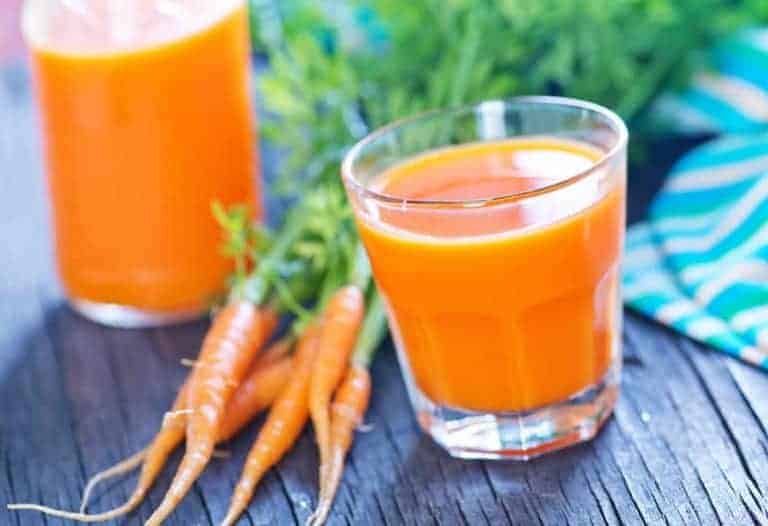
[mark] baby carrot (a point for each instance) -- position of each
(244, 407)
(284, 424)
(276, 351)
(349, 405)
(341, 320)
(228, 349)
(169, 436)
(246, 403)
(256, 393)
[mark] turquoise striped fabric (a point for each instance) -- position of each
(700, 262)
(730, 98)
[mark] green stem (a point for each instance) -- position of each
(372, 332)
(330, 285)
(289, 300)
(288, 234)
(361, 269)
(359, 275)
(300, 324)
(240, 267)
(257, 287)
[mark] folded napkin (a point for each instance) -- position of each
(700, 262)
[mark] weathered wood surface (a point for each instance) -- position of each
(687, 441)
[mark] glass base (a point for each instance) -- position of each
(115, 315)
(519, 435)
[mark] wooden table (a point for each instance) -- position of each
(686, 442)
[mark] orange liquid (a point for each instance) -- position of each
(140, 138)
(504, 307)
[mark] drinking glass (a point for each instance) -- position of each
(147, 120)
(505, 309)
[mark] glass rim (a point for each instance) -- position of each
(616, 123)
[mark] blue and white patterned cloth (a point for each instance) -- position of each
(700, 262)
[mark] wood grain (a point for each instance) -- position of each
(687, 441)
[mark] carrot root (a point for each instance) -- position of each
(262, 386)
(165, 441)
(276, 351)
(122, 467)
(284, 424)
(332, 481)
(255, 394)
(341, 322)
(349, 406)
(237, 333)
(71, 515)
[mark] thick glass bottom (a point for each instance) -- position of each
(115, 315)
(519, 435)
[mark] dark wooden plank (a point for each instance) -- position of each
(694, 433)
(750, 383)
(748, 473)
(688, 439)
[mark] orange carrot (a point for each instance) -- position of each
(256, 393)
(271, 377)
(227, 352)
(166, 440)
(238, 324)
(341, 321)
(349, 406)
(275, 351)
(242, 409)
(284, 424)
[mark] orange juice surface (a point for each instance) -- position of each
(147, 120)
(502, 307)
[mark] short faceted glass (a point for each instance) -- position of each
(495, 233)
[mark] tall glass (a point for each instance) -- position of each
(495, 234)
(147, 119)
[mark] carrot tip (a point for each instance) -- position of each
(118, 469)
(319, 516)
(71, 515)
(231, 518)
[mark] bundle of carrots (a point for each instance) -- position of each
(318, 370)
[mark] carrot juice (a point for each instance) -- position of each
(499, 264)
(147, 119)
